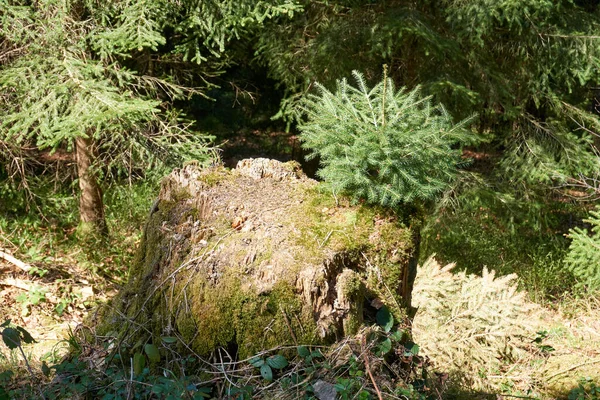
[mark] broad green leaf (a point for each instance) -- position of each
(277, 361)
(139, 362)
(316, 354)
(303, 351)
(169, 339)
(152, 353)
(385, 319)
(202, 393)
(157, 389)
(257, 361)
(266, 372)
(45, 369)
(414, 349)
(4, 394)
(11, 338)
(384, 347)
(397, 336)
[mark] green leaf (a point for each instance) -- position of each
(397, 336)
(5, 324)
(412, 348)
(257, 361)
(266, 372)
(303, 351)
(316, 354)
(385, 319)
(27, 338)
(157, 389)
(4, 394)
(152, 353)
(384, 347)
(139, 362)
(60, 308)
(45, 369)
(11, 338)
(202, 393)
(169, 339)
(277, 361)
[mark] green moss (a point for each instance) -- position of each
(151, 256)
(213, 176)
(292, 166)
(227, 313)
(371, 233)
(268, 321)
(353, 289)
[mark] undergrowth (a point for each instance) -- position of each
(41, 231)
(376, 362)
(502, 236)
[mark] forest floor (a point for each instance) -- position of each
(50, 306)
(562, 355)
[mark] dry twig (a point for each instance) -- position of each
(17, 263)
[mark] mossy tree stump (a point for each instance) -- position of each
(257, 257)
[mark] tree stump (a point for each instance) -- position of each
(257, 257)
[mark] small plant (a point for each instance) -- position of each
(41, 272)
(471, 325)
(65, 301)
(587, 389)
(539, 342)
(13, 337)
(312, 359)
(267, 365)
(33, 297)
(350, 388)
(386, 146)
(583, 258)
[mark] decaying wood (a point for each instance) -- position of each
(258, 257)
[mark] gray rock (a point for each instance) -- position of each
(324, 390)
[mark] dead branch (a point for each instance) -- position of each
(17, 263)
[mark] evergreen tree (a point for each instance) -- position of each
(388, 147)
(97, 79)
(525, 67)
(56, 93)
(583, 258)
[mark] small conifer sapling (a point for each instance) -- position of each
(384, 146)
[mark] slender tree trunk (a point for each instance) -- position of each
(91, 206)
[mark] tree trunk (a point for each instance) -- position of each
(91, 207)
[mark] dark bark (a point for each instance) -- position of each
(409, 274)
(411, 270)
(91, 206)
